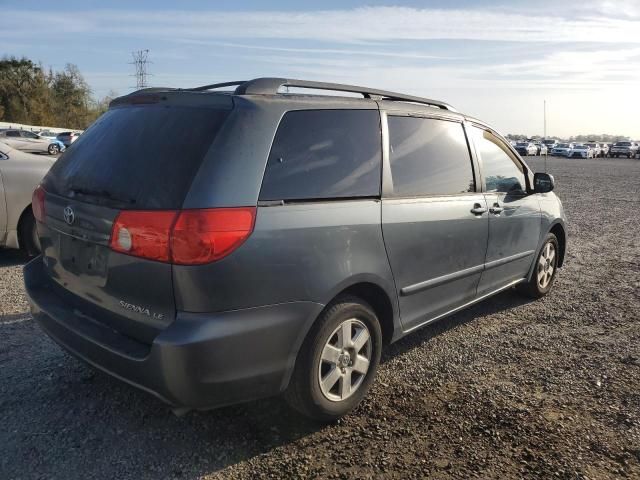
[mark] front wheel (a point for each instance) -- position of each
(544, 271)
(53, 149)
(337, 362)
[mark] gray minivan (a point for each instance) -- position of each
(212, 247)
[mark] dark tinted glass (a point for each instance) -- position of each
(144, 156)
(29, 135)
(501, 172)
(13, 133)
(324, 154)
(429, 157)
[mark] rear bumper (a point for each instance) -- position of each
(199, 361)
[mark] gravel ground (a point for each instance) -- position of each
(508, 388)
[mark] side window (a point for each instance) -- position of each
(13, 133)
(501, 171)
(29, 135)
(429, 157)
(320, 154)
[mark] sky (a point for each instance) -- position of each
(498, 60)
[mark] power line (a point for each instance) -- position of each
(140, 60)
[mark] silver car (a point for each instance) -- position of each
(29, 142)
(20, 174)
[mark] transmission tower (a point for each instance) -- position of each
(140, 60)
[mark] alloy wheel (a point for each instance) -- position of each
(546, 265)
(345, 359)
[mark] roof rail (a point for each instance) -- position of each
(272, 85)
(216, 85)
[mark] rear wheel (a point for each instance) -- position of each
(337, 361)
(544, 272)
(29, 240)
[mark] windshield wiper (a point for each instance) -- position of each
(88, 192)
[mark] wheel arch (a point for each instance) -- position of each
(558, 230)
(25, 212)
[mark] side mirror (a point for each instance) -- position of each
(543, 182)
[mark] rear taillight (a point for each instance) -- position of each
(143, 233)
(202, 236)
(37, 204)
(187, 237)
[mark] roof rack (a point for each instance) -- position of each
(271, 86)
(216, 85)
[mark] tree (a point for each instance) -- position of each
(71, 97)
(22, 84)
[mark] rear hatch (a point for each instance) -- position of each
(140, 156)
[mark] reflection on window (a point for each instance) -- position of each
(429, 157)
(320, 154)
(501, 172)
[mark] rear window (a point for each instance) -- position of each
(321, 154)
(141, 156)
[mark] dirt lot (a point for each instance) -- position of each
(508, 388)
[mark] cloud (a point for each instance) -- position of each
(358, 25)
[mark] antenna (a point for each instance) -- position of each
(140, 60)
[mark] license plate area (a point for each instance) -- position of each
(82, 259)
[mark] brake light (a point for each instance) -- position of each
(187, 237)
(143, 233)
(37, 204)
(203, 236)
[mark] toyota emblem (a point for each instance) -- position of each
(69, 216)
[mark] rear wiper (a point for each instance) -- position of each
(99, 194)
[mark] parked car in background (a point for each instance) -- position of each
(581, 151)
(47, 134)
(542, 148)
(624, 149)
(68, 137)
(20, 174)
(29, 142)
(561, 149)
(526, 148)
(596, 148)
(550, 143)
(294, 238)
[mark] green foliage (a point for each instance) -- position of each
(32, 96)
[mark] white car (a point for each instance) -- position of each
(526, 148)
(581, 151)
(29, 142)
(47, 134)
(20, 174)
(562, 149)
(597, 149)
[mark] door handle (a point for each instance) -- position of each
(478, 209)
(496, 209)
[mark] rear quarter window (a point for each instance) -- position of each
(323, 154)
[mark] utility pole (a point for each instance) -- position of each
(140, 60)
(544, 116)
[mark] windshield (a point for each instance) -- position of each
(623, 144)
(563, 145)
(522, 144)
(144, 156)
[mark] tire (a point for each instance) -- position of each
(29, 241)
(536, 288)
(53, 149)
(306, 393)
